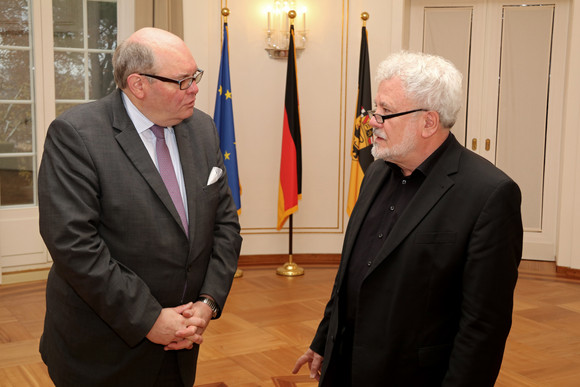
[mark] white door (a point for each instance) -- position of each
(512, 57)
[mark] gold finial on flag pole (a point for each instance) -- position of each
(365, 16)
(291, 15)
(225, 13)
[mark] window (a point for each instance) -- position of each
(17, 156)
(84, 36)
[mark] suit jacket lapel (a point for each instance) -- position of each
(433, 188)
(131, 142)
(190, 172)
(376, 176)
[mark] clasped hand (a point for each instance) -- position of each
(181, 327)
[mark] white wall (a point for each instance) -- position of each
(327, 83)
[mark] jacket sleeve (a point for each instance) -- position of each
(69, 211)
(319, 342)
(493, 255)
(227, 241)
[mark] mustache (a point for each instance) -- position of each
(377, 132)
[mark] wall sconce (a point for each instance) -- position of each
(278, 31)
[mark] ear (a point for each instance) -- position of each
(136, 84)
(431, 119)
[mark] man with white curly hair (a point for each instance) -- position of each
(424, 291)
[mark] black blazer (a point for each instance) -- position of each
(435, 306)
(120, 252)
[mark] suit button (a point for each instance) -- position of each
(369, 263)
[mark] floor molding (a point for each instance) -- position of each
(568, 272)
(248, 261)
(280, 259)
(16, 277)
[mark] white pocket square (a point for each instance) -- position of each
(214, 175)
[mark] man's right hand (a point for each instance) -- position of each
(170, 321)
(314, 361)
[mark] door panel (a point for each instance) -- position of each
(511, 56)
(447, 33)
(523, 103)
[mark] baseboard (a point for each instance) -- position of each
(280, 259)
(16, 277)
(568, 272)
(248, 261)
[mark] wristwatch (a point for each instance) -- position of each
(212, 304)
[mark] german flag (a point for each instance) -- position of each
(362, 133)
(290, 189)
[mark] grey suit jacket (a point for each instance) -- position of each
(435, 305)
(120, 252)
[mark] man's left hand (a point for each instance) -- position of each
(198, 317)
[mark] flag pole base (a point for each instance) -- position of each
(290, 269)
(239, 273)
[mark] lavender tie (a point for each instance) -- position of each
(168, 173)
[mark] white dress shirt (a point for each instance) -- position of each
(143, 125)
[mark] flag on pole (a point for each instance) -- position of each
(362, 134)
(290, 188)
(224, 119)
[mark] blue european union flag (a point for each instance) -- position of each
(224, 119)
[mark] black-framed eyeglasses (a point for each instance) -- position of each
(184, 83)
(382, 118)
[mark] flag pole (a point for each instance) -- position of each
(290, 269)
(361, 156)
(225, 13)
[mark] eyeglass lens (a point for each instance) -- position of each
(186, 83)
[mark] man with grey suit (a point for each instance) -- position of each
(424, 291)
(137, 215)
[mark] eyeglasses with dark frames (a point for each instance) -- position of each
(184, 83)
(382, 118)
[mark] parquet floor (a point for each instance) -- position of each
(269, 321)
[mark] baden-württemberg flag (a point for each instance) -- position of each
(362, 133)
(290, 188)
(224, 120)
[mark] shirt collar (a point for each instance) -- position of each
(139, 120)
(428, 164)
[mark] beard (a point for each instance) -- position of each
(393, 152)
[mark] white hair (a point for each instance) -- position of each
(433, 82)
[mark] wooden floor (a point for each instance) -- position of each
(269, 321)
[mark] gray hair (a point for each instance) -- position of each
(431, 81)
(131, 57)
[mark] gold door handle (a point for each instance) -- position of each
(474, 144)
(487, 144)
